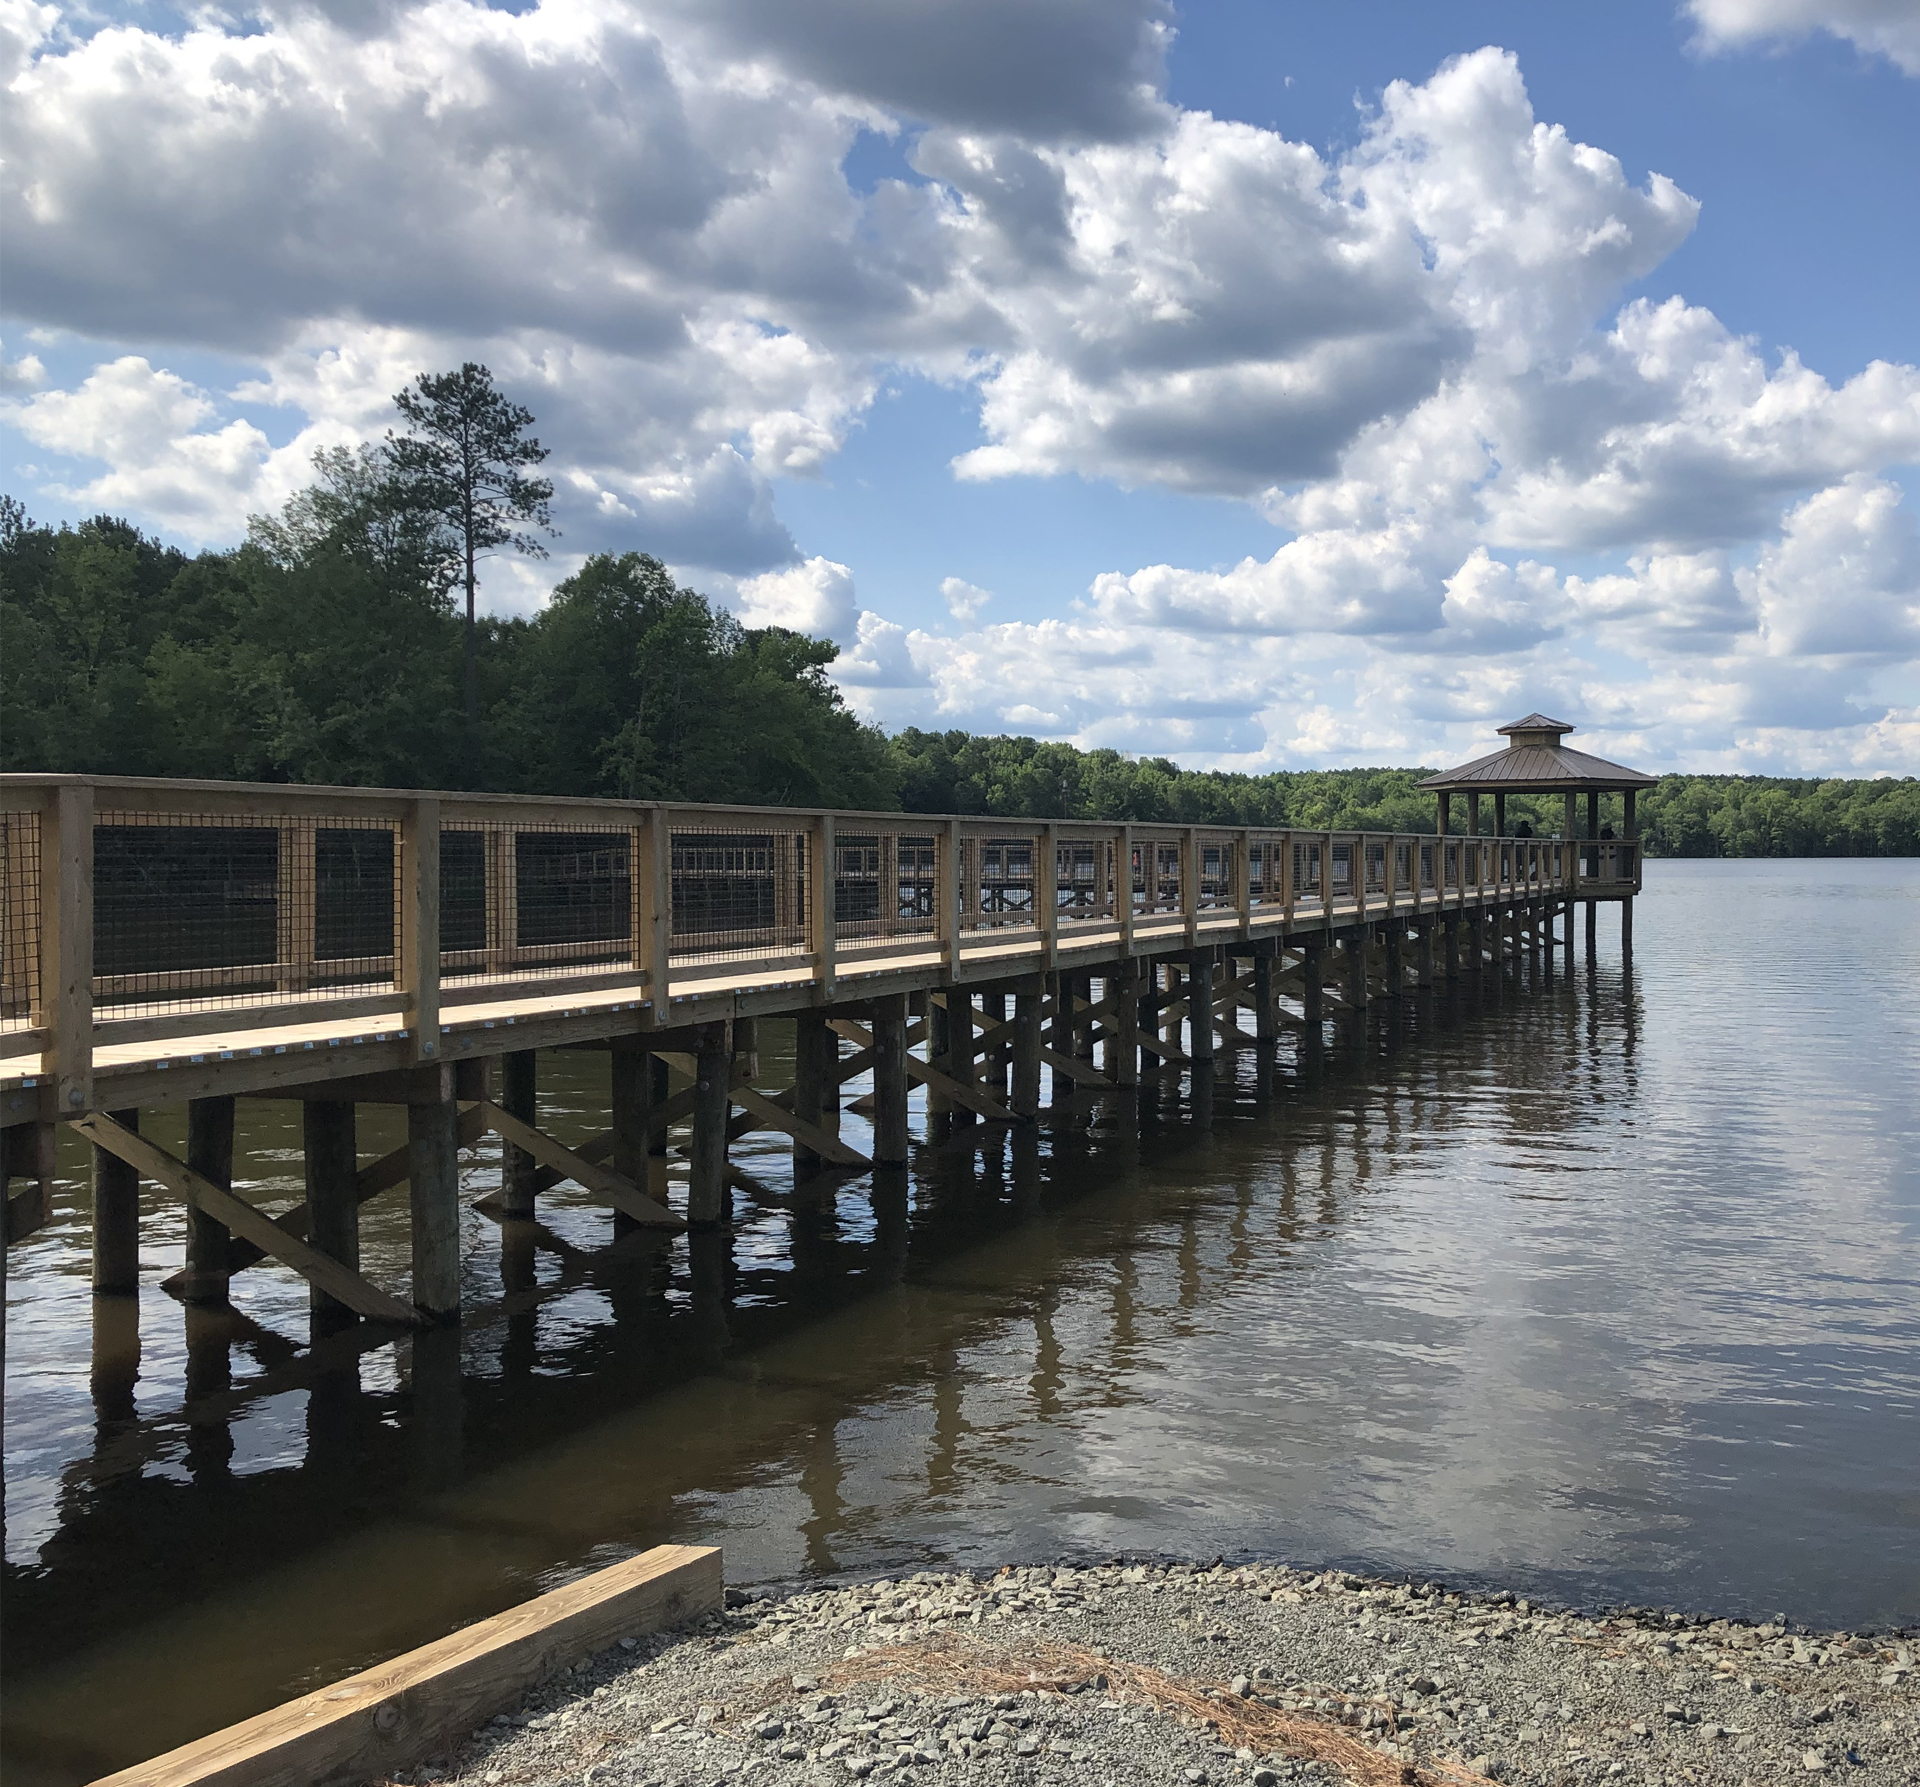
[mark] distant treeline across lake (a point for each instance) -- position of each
(319, 652)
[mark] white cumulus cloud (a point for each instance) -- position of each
(1889, 28)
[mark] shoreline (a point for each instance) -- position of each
(1206, 1675)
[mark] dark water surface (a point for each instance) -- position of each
(1607, 1290)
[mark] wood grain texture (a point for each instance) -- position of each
(390, 1717)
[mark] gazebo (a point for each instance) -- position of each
(1537, 761)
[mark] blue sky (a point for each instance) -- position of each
(1268, 384)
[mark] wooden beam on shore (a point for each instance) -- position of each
(390, 1717)
(198, 1193)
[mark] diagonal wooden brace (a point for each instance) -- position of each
(970, 1096)
(375, 1177)
(603, 1182)
(341, 1283)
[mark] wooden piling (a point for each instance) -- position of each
(631, 1095)
(1123, 1050)
(1266, 1016)
(1027, 1004)
(433, 1193)
(889, 1019)
(210, 1154)
(328, 1139)
(1199, 964)
(519, 1097)
(116, 1218)
(712, 1105)
(812, 1051)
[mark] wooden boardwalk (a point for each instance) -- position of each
(167, 942)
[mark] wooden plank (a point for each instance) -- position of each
(604, 1182)
(777, 1113)
(388, 1718)
(174, 1175)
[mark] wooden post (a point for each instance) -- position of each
(1473, 814)
(1243, 879)
(520, 1097)
(1312, 981)
(295, 894)
(813, 1049)
(1266, 1018)
(1200, 1005)
(712, 1105)
(417, 918)
(64, 1010)
(1046, 894)
(631, 1094)
(963, 1049)
(1124, 1051)
(1500, 813)
(823, 904)
(650, 845)
(1123, 888)
(1626, 931)
(889, 1017)
(433, 1193)
(1354, 946)
(210, 1154)
(993, 1008)
(1423, 959)
(1190, 881)
(946, 897)
(333, 1194)
(1396, 970)
(116, 1218)
(1027, 1002)
(1444, 802)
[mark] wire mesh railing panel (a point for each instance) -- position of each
(19, 919)
(526, 902)
(884, 885)
(1216, 872)
(1156, 874)
(1341, 880)
(1084, 880)
(741, 892)
(998, 883)
(242, 911)
(1374, 857)
(353, 882)
(1309, 873)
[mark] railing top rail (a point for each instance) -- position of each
(164, 794)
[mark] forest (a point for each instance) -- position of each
(330, 648)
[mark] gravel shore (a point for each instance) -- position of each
(1201, 1676)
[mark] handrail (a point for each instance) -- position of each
(137, 906)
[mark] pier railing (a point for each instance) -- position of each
(134, 909)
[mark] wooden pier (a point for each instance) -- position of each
(167, 943)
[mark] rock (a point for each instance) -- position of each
(1241, 1685)
(1813, 1761)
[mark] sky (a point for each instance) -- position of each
(1266, 384)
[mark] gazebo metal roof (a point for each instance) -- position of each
(1535, 759)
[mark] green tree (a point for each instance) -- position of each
(465, 461)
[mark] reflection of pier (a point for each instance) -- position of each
(169, 943)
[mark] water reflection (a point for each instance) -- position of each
(1498, 1282)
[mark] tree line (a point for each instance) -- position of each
(338, 644)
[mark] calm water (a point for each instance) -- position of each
(1609, 1289)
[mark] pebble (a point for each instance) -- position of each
(798, 1687)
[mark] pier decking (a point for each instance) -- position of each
(167, 942)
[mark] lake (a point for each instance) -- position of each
(1606, 1290)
